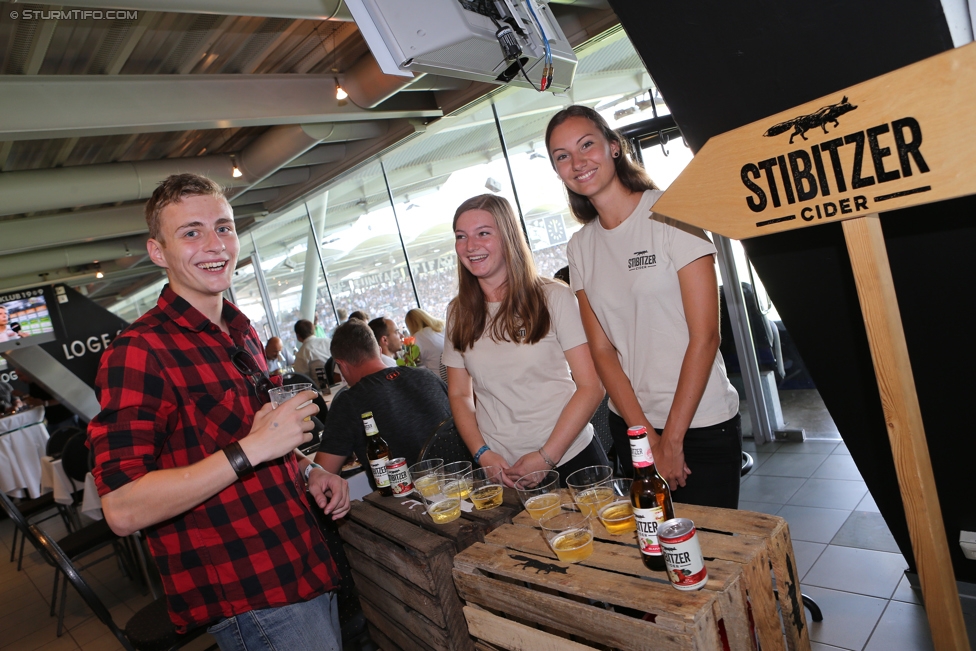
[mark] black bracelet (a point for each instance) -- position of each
(238, 460)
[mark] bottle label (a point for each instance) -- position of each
(640, 452)
(378, 466)
(369, 424)
(647, 522)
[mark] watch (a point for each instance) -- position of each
(308, 470)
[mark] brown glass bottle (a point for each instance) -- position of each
(650, 498)
(378, 453)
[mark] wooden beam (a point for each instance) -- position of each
(39, 45)
(892, 366)
(132, 38)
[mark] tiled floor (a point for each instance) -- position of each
(847, 559)
(25, 598)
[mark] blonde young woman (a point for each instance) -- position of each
(516, 343)
(648, 296)
(428, 333)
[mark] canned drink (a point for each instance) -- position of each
(399, 474)
(682, 554)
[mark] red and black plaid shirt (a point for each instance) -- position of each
(170, 397)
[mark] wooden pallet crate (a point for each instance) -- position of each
(401, 563)
(518, 597)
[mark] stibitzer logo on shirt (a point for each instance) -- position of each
(641, 260)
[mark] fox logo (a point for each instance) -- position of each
(820, 118)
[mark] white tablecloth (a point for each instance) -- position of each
(21, 449)
(54, 478)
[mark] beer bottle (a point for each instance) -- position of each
(650, 498)
(378, 453)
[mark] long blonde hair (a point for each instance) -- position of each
(523, 316)
(418, 319)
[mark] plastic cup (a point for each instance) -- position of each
(486, 487)
(590, 488)
(283, 394)
(618, 516)
(569, 535)
(538, 492)
(444, 505)
(426, 474)
(456, 471)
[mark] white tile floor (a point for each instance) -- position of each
(847, 560)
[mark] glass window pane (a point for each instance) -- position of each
(469, 162)
(361, 248)
(249, 299)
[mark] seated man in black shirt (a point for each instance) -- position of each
(407, 403)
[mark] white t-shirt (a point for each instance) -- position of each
(389, 361)
(522, 389)
(312, 348)
(431, 346)
(630, 275)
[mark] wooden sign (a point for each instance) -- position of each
(898, 140)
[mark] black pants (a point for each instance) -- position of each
(591, 455)
(714, 455)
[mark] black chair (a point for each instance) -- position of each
(58, 439)
(150, 629)
(446, 443)
(25, 511)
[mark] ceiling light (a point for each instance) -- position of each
(235, 170)
(340, 94)
(98, 271)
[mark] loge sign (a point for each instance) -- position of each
(898, 140)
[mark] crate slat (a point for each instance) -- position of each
(424, 603)
(514, 636)
(387, 635)
(384, 606)
(390, 556)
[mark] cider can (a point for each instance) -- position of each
(399, 474)
(682, 554)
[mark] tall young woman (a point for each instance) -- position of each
(648, 296)
(516, 343)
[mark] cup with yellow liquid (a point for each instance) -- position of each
(569, 534)
(455, 472)
(538, 492)
(444, 505)
(486, 487)
(591, 488)
(426, 474)
(618, 516)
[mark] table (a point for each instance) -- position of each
(54, 478)
(516, 590)
(23, 440)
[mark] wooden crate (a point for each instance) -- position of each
(401, 563)
(519, 597)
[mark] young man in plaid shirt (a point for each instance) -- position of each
(188, 448)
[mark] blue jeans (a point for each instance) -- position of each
(312, 624)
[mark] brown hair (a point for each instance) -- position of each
(523, 316)
(631, 175)
(304, 329)
(172, 190)
(354, 343)
(418, 319)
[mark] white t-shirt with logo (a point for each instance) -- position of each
(522, 389)
(630, 275)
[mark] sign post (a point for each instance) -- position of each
(891, 142)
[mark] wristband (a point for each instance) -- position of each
(481, 451)
(238, 460)
(545, 457)
(308, 470)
